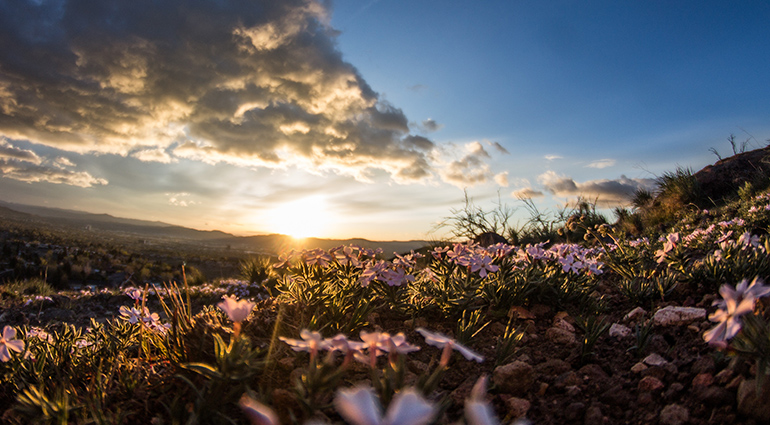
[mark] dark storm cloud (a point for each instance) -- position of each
(251, 83)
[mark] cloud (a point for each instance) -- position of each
(54, 173)
(430, 125)
(253, 84)
(153, 155)
(602, 163)
(608, 192)
(552, 157)
(502, 179)
(10, 152)
(27, 166)
(471, 169)
(527, 193)
(178, 199)
(498, 147)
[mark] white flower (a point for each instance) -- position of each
(359, 406)
(441, 341)
(477, 408)
(237, 310)
(9, 342)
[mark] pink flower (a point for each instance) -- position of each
(237, 310)
(736, 302)
(9, 342)
(482, 264)
(311, 342)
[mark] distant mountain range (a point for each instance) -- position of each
(154, 230)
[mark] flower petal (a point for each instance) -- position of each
(358, 406)
(409, 408)
(258, 413)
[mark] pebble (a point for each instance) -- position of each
(674, 414)
(650, 384)
(619, 331)
(561, 336)
(655, 359)
(676, 316)
(635, 313)
(518, 407)
(703, 379)
(638, 368)
(514, 378)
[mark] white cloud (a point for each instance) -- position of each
(602, 163)
(180, 199)
(502, 179)
(553, 157)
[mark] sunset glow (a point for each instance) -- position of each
(303, 218)
(375, 106)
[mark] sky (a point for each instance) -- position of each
(358, 118)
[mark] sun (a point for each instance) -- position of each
(303, 218)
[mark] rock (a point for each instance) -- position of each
(704, 364)
(593, 373)
(638, 368)
(634, 314)
(619, 331)
(677, 316)
(574, 411)
(655, 360)
(553, 367)
(563, 324)
(713, 396)
(561, 336)
(703, 379)
(567, 379)
(650, 384)
(724, 376)
(514, 378)
(489, 238)
(594, 415)
(518, 407)
(616, 396)
(673, 390)
(753, 402)
(674, 414)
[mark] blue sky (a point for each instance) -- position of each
(367, 119)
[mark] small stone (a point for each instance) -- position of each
(567, 379)
(655, 359)
(561, 336)
(644, 399)
(650, 384)
(542, 389)
(676, 316)
(714, 396)
(674, 414)
(594, 415)
(553, 367)
(638, 368)
(574, 391)
(563, 324)
(518, 407)
(619, 331)
(574, 411)
(753, 402)
(703, 379)
(514, 378)
(724, 376)
(593, 373)
(673, 390)
(704, 364)
(635, 313)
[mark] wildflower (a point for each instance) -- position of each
(258, 413)
(736, 302)
(237, 310)
(478, 411)
(9, 342)
(397, 344)
(359, 406)
(747, 239)
(134, 293)
(35, 332)
(311, 342)
(482, 264)
(441, 341)
(132, 314)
